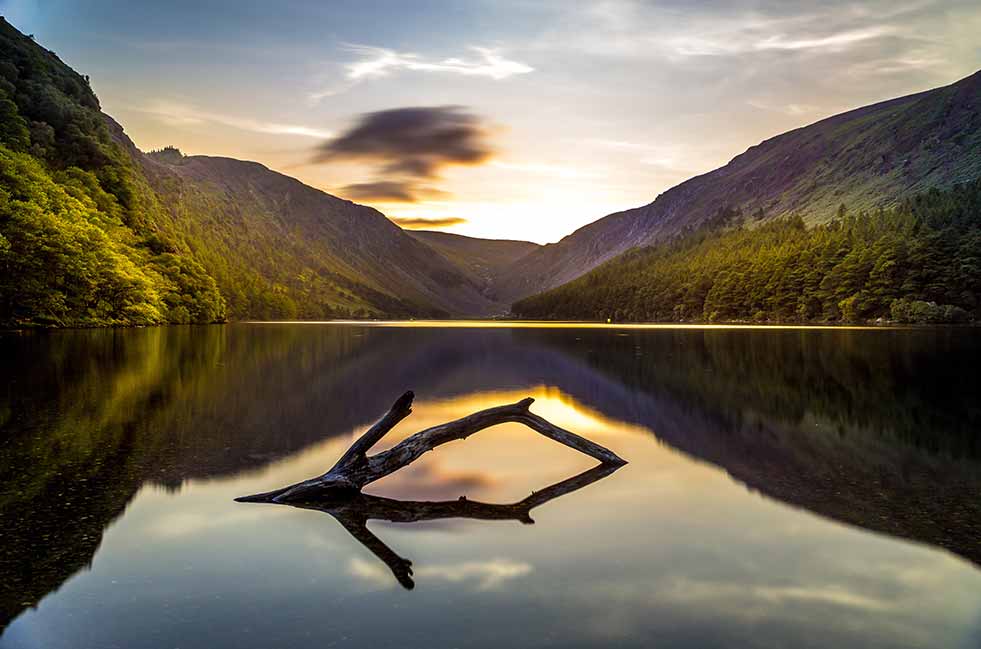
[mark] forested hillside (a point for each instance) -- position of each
(918, 262)
(77, 241)
(871, 157)
(95, 232)
(279, 249)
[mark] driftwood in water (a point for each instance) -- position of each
(338, 492)
(356, 468)
(353, 511)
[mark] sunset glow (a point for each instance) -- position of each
(589, 109)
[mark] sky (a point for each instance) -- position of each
(516, 119)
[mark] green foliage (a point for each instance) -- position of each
(920, 312)
(271, 260)
(918, 262)
(63, 261)
(168, 155)
(73, 211)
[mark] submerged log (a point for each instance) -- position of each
(356, 468)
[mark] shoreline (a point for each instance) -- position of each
(465, 323)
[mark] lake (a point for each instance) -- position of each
(785, 488)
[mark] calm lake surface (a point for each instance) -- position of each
(785, 488)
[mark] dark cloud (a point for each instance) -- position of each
(410, 146)
(390, 191)
(419, 223)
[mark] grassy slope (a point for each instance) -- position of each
(303, 252)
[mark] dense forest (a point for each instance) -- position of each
(919, 262)
(77, 245)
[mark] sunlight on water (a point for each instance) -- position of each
(552, 324)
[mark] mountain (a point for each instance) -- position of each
(867, 158)
(78, 240)
(259, 232)
(95, 232)
(918, 262)
(484, 259)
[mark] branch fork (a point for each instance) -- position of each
(356, 468)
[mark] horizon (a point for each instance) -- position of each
(554, 118)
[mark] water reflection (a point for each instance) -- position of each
(353, 513)
(149, 434)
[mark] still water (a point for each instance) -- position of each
(785, 488)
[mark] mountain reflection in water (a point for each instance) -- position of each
(875, 429)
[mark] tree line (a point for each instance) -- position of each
(918, 262)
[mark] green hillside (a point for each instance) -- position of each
(917, 262)
(869, 158)
(78, 245)
(95, 232)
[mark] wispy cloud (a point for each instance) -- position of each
(177, 114)
(378, 62)
(792, 109)
(422, 223)
(640, 30)
(831, 41)
(484, 575)
(391, 191)
(753, 37)
(686, 590)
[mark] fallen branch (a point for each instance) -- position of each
(353, 511)
(356, 469)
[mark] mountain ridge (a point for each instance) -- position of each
(159, 237)
(485, 259)
(917, 142)
(353, 245)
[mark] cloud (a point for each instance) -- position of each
(412, 141)
(484, 575)
(421, 223)
(754, 38)
(176, 114)
(831, 41)
(748, 33)
(379, 62)
(409, 147)
(689, 591)
(792, 109)
(389, 191)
